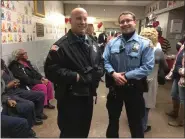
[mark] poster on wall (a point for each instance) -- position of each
(3, 26)
(19, 23)
(2, 4)
(13, 8)
(19, 29)
(15, 37)
(10, 38)
(26, 10)
(8, 15)
(3, 14)
(9, 26)
(19, 37)
(19, 18)
(23, 29)
(14, 27)
(4, 37)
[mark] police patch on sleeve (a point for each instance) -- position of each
(54, 48)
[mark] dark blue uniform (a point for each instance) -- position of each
(135, 57)
(69, 56)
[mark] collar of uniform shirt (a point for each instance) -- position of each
(134, 37)
(76, 38)
(83, 38)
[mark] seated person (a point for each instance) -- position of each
(16, 117)
(12, 89)
(14, 127)
(23, 70)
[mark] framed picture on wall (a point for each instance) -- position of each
(39, 8)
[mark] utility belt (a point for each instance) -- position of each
(140, 85)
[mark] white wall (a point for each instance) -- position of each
(174, 14)
(163, 19)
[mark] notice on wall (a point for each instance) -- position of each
(40, 30)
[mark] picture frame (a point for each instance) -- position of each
(39, 8)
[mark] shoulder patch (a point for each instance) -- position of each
(54, 48)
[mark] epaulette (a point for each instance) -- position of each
(114, 40)
(63, 38)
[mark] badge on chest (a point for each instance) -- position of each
(94, 48)
(135, 47)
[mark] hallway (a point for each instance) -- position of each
(157, 118)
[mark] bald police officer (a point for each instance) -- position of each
(128, 60)
(75, 66)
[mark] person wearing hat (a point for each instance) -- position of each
(165, 45)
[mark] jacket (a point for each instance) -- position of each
(70, 56)
(27, 76)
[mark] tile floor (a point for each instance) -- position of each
(157, 118)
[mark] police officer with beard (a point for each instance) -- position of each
(75, 65)
(129, 58)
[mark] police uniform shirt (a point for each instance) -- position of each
(135, 56)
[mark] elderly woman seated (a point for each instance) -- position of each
(23, 70)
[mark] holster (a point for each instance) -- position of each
(141, 85)
(79, 89)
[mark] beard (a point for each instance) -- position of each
(128, 30)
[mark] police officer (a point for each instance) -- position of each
(128, 60)
(74, 64)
